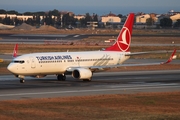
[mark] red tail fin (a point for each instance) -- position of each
(15, 51)
(124, 39)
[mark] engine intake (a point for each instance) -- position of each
(82, 73)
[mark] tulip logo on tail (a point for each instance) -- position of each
(124, 39)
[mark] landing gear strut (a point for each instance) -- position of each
(21, 77)
(61, 77)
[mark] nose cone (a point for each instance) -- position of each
(11, 68)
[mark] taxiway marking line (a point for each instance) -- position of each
(81, 91)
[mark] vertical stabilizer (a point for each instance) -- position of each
(123, 41)
(15, 50)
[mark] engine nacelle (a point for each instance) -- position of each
(82, 73)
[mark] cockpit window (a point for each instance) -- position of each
(18, 61)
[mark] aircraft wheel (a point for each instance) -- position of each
(22, 80)
(61, 77)
(64, 77)
(86, 80)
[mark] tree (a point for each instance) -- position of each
(150, 21)
(55, 12)
(17, 21)
(37, 20)
(95, 17)
(88, 18)
(177, 23)
(7, 21)
(28, 13)
(2, 11)
(41, 13)
(82, 22)
(58, 21)
(67, 20)
(120, 15)
(166, 22)
(1, 20)
(29, 21)
(48, 18)
(12, 12)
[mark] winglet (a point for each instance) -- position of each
(15, 50)
(171, 57)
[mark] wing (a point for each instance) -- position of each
(102, 68)
(148, 52)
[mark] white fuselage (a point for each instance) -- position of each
(59, 62)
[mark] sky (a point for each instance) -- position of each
(100, 7)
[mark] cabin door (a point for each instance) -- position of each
(33, 64)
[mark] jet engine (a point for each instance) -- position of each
(82, 73)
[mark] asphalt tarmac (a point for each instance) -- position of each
(64, 38)
(102, 83)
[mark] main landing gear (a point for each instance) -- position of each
(87, 80)
(61, 77)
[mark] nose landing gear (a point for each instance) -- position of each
(22, 80)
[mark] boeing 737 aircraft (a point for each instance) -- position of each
(80, 65)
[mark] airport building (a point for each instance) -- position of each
(108, 21)
(110, 18)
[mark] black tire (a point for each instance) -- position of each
(22, 80)
(64, 77)
(87, 80)
(61, 77)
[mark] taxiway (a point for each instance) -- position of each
(102, 83)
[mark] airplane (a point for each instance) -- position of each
(81, 65)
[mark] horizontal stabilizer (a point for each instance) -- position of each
(171, 57)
